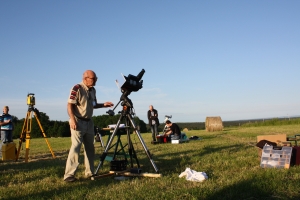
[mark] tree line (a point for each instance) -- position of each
(54, 128)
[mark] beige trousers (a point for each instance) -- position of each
(84, 134)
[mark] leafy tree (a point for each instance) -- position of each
(64, 130)
(143, 126)
(18, 125)
(53, 129)
(44, 122)
(140, 124)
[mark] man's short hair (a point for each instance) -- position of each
(168, 122)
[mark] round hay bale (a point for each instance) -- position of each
(185, 130)
(213, 124)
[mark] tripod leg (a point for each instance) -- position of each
(23, 134)
(101, 141)
(104, 154)
(27, 138)
(129, 143)
(132, 154)
(40, 125)
(131, 150)
(27, 142)
(142, 142)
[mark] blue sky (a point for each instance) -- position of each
(234, 59)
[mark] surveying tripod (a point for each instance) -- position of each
(26, 130)
(126, 115)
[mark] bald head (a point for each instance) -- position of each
(89, 73)
(151, 107)
(89, 78)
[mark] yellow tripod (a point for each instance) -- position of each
(25, 134)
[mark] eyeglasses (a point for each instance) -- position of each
(95, 78)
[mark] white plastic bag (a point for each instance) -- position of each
(192, 175)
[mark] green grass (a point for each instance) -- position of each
(229, 158)
(272, 122)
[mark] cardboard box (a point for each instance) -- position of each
(272, 138)
(9, 151)
(278, 139)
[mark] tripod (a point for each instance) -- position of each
(126, 115)
(99, 136)
(25, 134)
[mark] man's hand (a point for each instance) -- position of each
(108, 104)
(73, 124)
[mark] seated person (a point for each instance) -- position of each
(174, 130)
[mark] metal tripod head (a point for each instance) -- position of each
(125, 101)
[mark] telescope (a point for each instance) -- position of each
(130, 83)
(127, 84)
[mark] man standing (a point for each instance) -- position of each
(81, 103)
(6, 128)
(153, 122)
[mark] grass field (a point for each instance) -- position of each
(229, 158)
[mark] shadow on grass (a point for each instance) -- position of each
(251, 189)
(42, 172)
(23, 172)
(77, 190)
(170, 162)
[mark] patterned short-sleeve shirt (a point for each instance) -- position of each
(84, 98)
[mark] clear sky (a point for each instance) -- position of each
(234, 59)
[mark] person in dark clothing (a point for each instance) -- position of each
(173, 131)
(153, 122)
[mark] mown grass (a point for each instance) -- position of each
(229, 158)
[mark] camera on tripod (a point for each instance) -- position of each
(30, 99)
